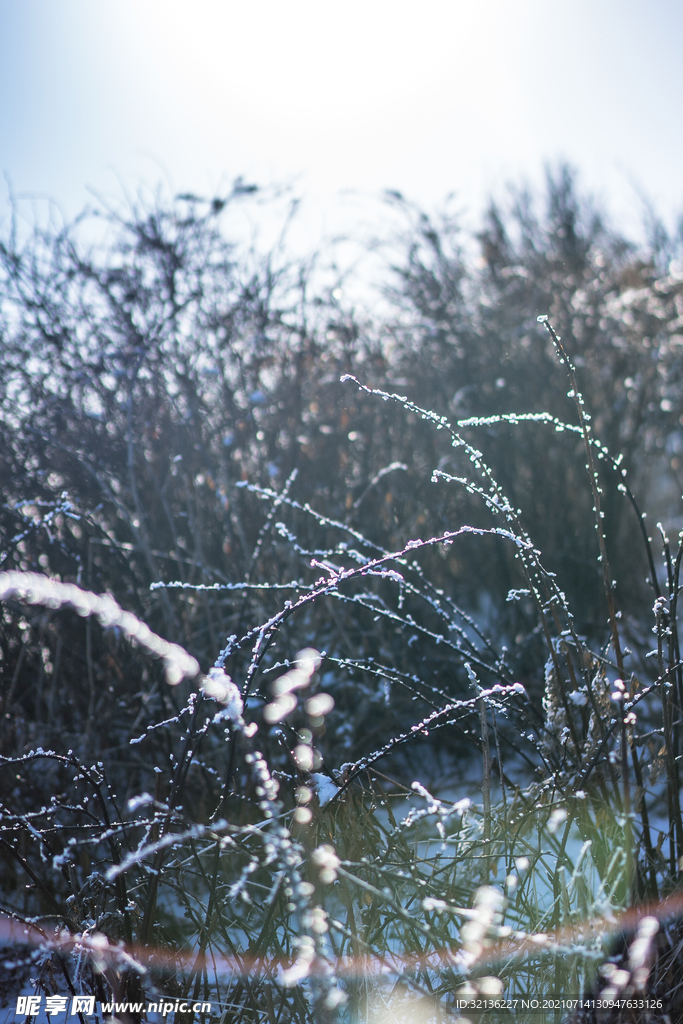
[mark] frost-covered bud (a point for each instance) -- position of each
(217, 684)
(220, 686)
(661, 613)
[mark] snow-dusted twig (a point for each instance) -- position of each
(32, 588)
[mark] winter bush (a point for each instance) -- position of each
(247, 868)
(401, 761)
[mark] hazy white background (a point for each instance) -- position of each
(427, 98)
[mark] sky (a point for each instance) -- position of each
(340, 101)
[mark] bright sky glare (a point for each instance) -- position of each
(430, 98)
